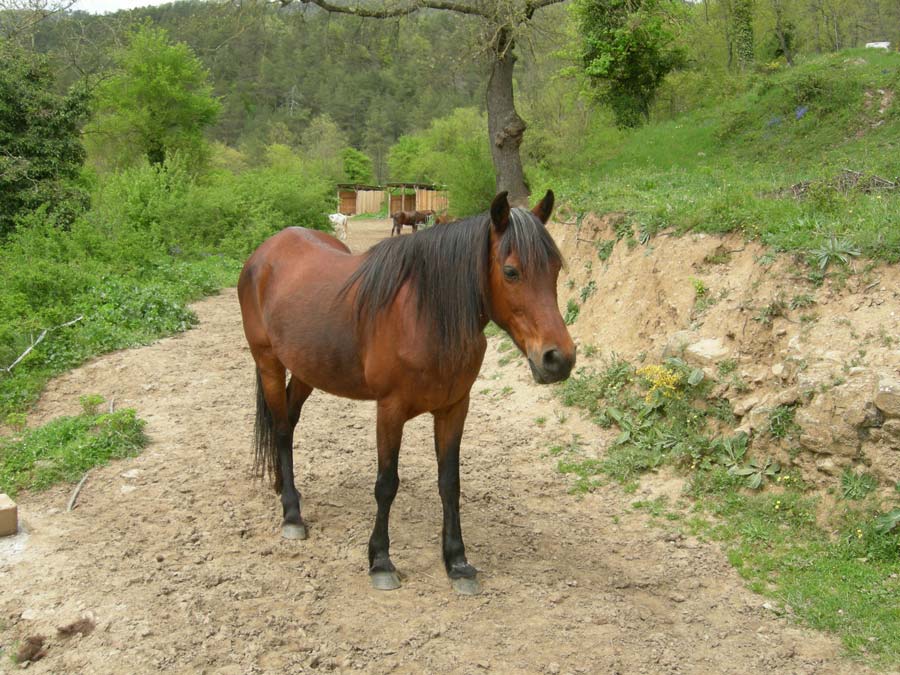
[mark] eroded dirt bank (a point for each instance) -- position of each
(176, 554)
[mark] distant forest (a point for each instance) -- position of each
(276, 69)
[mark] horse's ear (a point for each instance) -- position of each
(500, 212)
(544, 208)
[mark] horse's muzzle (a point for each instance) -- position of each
(554, 366)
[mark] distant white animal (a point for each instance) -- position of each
(339, 222)
(878, 45)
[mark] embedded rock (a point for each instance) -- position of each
(705, 352)
(887, 396)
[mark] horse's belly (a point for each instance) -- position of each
(323, 353)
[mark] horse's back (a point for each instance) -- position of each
(283, 260)
(294, 241)
(294, 309)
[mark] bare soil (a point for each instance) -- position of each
(176, 555)
(824, 347)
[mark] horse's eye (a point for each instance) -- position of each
(510, 272)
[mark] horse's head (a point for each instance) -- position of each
(523, 269)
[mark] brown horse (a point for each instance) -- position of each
(412, 218)
(402, 324)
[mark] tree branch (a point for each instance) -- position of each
(403, 10)
(533, 5)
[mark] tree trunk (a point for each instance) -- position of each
(505, 127)
(785, 47)
(780, 34)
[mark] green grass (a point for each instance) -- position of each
(493, 330)
(840, 572)
(730, 166)
(571, 313)
(63, 449)
(844, 582)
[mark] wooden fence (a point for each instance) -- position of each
(355, 199)
(362, 199)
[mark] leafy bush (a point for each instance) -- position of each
(454, 152)
(156, 238)
(40, 140)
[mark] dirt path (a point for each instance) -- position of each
(177, 556)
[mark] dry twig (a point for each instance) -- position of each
(40, 339)
(77, 490)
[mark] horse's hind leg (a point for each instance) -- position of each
(448, 430)
(284, 404)
(389, 434)
(292, 527)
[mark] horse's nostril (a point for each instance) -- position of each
(552, 359)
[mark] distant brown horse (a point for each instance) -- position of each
(412, 218)
(402, 324)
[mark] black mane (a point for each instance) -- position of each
(448, 267)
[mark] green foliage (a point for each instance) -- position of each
(845, 583)
(156, 105)
(732, 450)
(588, 290)
(727, 366)
(756, 472)
(454, 152)
(90, 403)
(63, 449)
(729, 165)
(40, 148)
(325, 145)
(856, 486)
(572, 311)
(781, 421)
(492, 330)
(405, 159)
(357, 166)
(888, 522)
(742, 32)
(834, 250)
(155, 239)
(627, 48)
(605, 249)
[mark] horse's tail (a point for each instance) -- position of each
(266, 457)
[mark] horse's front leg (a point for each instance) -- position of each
(448, 430)
(389, 433)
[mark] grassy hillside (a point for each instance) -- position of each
(731, 165)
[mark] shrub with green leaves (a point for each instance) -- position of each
(40, 140)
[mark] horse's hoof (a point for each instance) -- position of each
(385, 581)
(293, 531)
(466, 585)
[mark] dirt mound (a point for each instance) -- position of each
(175, 555)
(770, 331)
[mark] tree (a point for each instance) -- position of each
(357, 166)
(501, 24)
(18, 18)
(40, 147)
(323, 143)
(783, 32)
(627, 48)
(158, 102)
(450, 152)
(742, 32)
